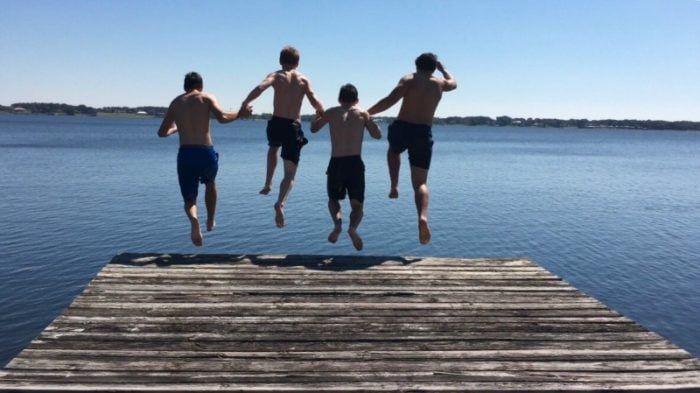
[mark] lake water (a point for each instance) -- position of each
(614, 212)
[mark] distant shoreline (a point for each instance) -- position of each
(52, 109)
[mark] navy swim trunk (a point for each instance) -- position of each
(346, 174)
(196, 164)
(288, 134)
(416, 138)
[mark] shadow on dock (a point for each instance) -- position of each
(315, 262)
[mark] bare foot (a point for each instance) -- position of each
(423, 231)
(265, 190)
(356, 239)
(211, 224)
(333, 236)
(279, 215)
(394, 193)
(196, 233)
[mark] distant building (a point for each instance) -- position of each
(19, 109)
(141, 113)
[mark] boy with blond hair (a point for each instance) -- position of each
(284, 129)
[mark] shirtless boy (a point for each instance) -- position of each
(197, 161)
(284, 129)
(421, 93)
(346, 171)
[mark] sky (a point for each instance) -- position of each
(595, 59)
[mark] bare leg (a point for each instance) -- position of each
(290, 170)
(271, 166)
(355, 218)
(394, 162)
(419, 178)
(195, 232)
(334, 209)
(210, 201)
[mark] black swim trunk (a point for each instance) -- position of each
(288, 134)
(417, 138)
(346, 174)
(196, 163)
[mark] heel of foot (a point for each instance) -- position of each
(424, 233)
(279, 215)
(356, 239)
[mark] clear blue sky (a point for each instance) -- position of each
(549, 58)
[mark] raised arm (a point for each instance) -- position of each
(371, 126)
(167, 126)
(311, 96)
(259, 89)
(388, 101)
(449, 82)
(221, 115)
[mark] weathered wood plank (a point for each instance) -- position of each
(450, 386)
(528, 355)
(407, 339)
(237, 311)
(318, 323)
(357, 345)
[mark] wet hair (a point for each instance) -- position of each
(348, 94)
(289, 56)
(192, 81)
(426, 62)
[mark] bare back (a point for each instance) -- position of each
(290, 88)
(421, 97)
(191, 112)
(347, 124)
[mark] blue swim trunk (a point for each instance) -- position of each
(196, 164)
(416, 138)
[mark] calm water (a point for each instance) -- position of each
(616, 213)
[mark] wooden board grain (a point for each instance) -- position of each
(170, 323)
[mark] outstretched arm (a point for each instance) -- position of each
(226, 117)
(389, 101)
(372, 127)
(319, 122)
(167, 126)
(449, 82)
(311, 96)
(259, 89)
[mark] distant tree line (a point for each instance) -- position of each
(507, 121)
(51, 109)
(158, 111)
(500, 121)
(72, 110)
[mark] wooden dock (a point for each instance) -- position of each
(171, 323)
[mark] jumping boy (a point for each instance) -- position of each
(284, 129)
(421, 93)
(197, 161)
(346, 171)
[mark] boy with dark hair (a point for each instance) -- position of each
(421, 92)
(197, 161)
(346, 171)
(284, 129)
